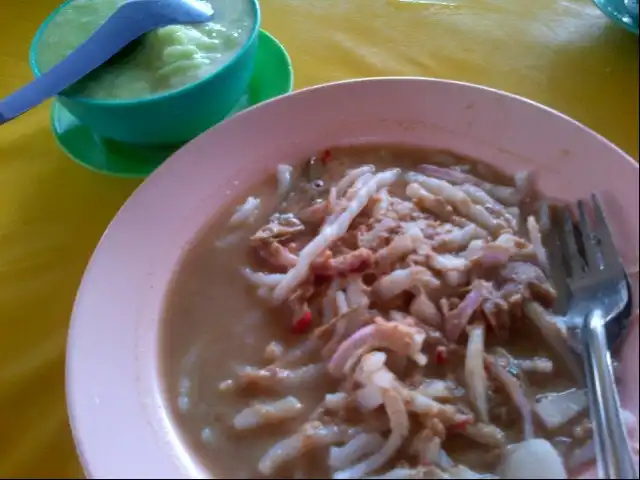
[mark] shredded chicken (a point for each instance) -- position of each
(402, 339)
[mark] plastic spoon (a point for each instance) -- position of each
(133, 19)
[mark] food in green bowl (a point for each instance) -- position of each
(175, 83)
(166, 59)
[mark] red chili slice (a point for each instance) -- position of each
(325, 156)
(302, 324)
(441, 355)
(460, 426)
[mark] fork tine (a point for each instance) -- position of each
(572, 255)
(608, 248)
(591, 250)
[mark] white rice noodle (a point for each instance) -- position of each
(335, 401)
(283, 175)
(357, 185)
(369, 398)
(557, 409)
(280, 378)
(356, 292)
(505, 195)
(404, 279)
(431, 203)
(358, 447)
(474, 372)
(246, 213)
(536, 241)
(459, 239)
(312, 435)
(341, 302)
(352, 175)
(481, 198)
(330, 233)
(262, 279)
(460, 202)
(267, 413)
(399, 423)
(374, 375)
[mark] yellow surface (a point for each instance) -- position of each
(563, 53)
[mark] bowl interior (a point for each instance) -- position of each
(33, 63)
(114, 367)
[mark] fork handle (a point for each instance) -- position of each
(613, 455)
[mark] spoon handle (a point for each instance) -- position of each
(121, 28)
(612, 446)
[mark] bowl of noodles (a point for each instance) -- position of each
(363, 292)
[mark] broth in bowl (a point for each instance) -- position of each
(382, 311)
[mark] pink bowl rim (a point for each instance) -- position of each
(84, 409)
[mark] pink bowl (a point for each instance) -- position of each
(118, 414)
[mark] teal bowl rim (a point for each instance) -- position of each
(144, 100)
(612, 13)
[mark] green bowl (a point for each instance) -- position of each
(167, 119)
(272, 77)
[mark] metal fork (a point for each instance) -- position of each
(597, 287)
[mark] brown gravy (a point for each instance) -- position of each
(214, 323)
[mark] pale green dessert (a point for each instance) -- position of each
(166, 59)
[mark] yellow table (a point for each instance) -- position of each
(563, 53)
